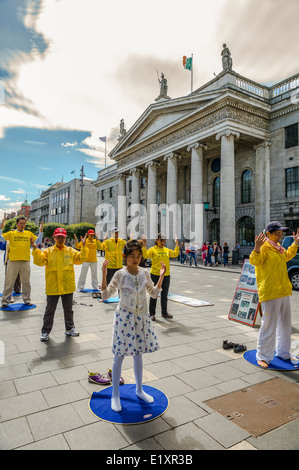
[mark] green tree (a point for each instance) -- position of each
(11, 225)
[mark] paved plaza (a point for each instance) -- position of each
(44, 388)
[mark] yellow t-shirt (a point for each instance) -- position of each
(19, 244)
(92, 246)
(159, 255)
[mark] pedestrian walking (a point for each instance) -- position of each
(182, 253)
(59, 261)
(274, 290)
(210, 252)
(160, 253)
(204, 252)
(192, 253)
(225, 254)
(133, 331)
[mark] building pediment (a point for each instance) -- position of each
(160, 118)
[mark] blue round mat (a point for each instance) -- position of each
(134, 410)
(90, 290)
(14, 294)
(17, 307)
(112, 300)
(275, 364)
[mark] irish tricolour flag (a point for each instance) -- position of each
(187, 62)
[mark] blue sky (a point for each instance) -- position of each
(71, 70)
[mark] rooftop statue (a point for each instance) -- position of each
(227, 61)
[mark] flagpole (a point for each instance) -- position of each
(191, 72)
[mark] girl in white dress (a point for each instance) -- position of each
(133, 331)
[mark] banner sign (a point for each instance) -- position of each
(245, 303)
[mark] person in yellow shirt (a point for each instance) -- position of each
(59, 261)
(93, 244)
(274, 290)
(113, 248)
(159, 253)
(18, 260)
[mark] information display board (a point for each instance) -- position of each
(245, 303)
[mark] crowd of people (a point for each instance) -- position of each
(212, 254)
(122, 272)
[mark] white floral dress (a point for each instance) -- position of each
(133, 331)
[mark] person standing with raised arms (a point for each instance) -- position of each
(19, 260)
(274, 290)
(59, 261)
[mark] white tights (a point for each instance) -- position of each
(116, 373)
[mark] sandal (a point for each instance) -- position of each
(96, 295)
(153, 318)
(239, 348)
(227, 345)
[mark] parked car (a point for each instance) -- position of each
(293, 264)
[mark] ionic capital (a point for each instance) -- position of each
(196, 145)
(266, 143)
(228, 133)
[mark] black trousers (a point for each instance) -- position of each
(67, 304)
(163, 295)
(110, 274)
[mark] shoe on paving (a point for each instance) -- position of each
(121, 380)
(97, 378)
(44, 337)
(72, 332)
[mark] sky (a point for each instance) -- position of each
(70, 70)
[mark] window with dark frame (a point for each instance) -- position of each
(292, 182)
(291, 136)
(216, 192)
(246, 187)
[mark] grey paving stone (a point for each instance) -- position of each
(95, 436)
(181, 410)
(14, 433)
(54, 421)
(66, 393)
(52, 443)
(34, 382)
(22, 405)
(221, 429)
(187, 437)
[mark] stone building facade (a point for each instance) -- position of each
(62, 203)
(227, 155)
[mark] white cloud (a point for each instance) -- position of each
(19, 191)
(4, 198)
(69, 144)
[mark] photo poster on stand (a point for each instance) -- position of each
(245, 304)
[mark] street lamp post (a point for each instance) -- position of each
(82, 186)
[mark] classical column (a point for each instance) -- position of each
(197, 192)
(227, 188)
(173, 212)
(262, 186)
(152, 207)
(135, 204)
(122, 206)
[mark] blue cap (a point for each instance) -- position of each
(273, 226)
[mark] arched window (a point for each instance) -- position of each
(216, 192)
(246, 231)
(215, 230)
(246, 186)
